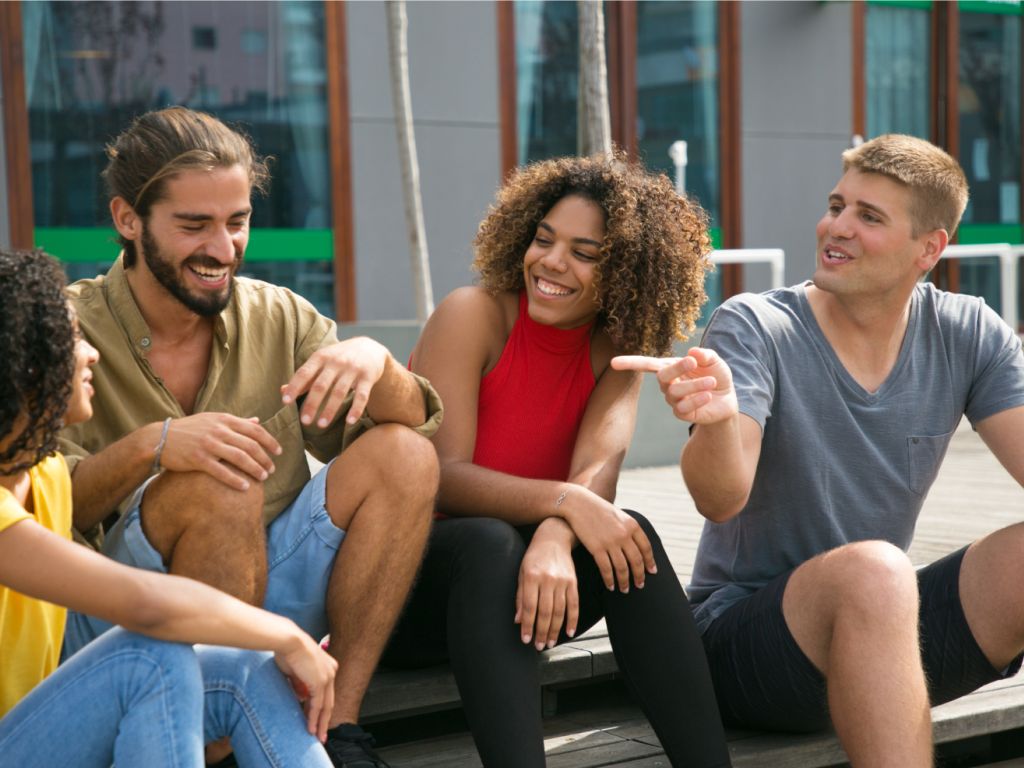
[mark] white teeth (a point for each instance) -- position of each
(550, 289)
(210, 275)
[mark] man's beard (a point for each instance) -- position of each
(163, 269)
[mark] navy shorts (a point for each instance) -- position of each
(763, 680)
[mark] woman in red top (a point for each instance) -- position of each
(580, 259)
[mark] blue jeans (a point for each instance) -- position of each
(132, 701)
(124, 699)
(250, 701)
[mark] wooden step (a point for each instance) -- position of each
(409, 692)
(621, 736)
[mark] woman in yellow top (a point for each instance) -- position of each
(125, 698)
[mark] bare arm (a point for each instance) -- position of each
(720, 458)
(162, 606)
(1002, 434)
(105, 479)
(718, 463)
(397, 397)
(462, 339)
(231, 449)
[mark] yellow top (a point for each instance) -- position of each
(31, 631)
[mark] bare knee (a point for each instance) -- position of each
(392, 466)
(407, 460)
(872, 579)
(393, 459)
(180, 501)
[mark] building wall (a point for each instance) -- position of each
(796, 119)
(5, 224)
(454, 82)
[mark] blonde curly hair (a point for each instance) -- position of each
(649, 277)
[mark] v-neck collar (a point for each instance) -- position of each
(826, 349)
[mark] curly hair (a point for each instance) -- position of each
(37, 347)
(650, 272)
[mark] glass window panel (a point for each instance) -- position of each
(897, 78)
(989, 105)
(90, 67)
(547, 73)
(677, 92)
(990, 115)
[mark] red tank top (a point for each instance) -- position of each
(532, 402)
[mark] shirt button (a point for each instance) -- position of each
(144, 342)
(915, 440)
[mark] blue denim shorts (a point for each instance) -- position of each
(302, 543)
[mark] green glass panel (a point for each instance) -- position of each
(970, 234)
(99, 244)
(918, 4)
(989, 6)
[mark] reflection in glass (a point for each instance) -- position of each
(677, 92)
(990, 133)
(897, 70)
(990, 115)
(547, 73)
(90, 67)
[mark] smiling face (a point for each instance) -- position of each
(865, 239)
(560, 263)
(194, 239)
(86, 356)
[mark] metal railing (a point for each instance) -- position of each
(776, 257)
(1008, 256)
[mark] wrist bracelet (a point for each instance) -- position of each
(558, 502)
(160, 446)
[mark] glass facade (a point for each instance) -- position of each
(547, 78)
(677, 92)
(92, 66)
(990, 115)
(897, 78)
(989, 110)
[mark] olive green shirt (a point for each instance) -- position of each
(260, 339)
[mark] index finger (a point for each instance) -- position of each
(641, 363)
(301, 379)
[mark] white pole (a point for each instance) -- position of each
(678, 154)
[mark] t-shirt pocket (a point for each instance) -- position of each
(925, 454)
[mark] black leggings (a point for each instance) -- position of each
(462, 609)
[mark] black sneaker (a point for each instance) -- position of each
(349, 746)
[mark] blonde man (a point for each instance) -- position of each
(822, 413)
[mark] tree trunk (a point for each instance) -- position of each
(594, 133)
(399, 55)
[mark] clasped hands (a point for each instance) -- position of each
(547, 596)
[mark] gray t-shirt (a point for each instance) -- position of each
(838, 463)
